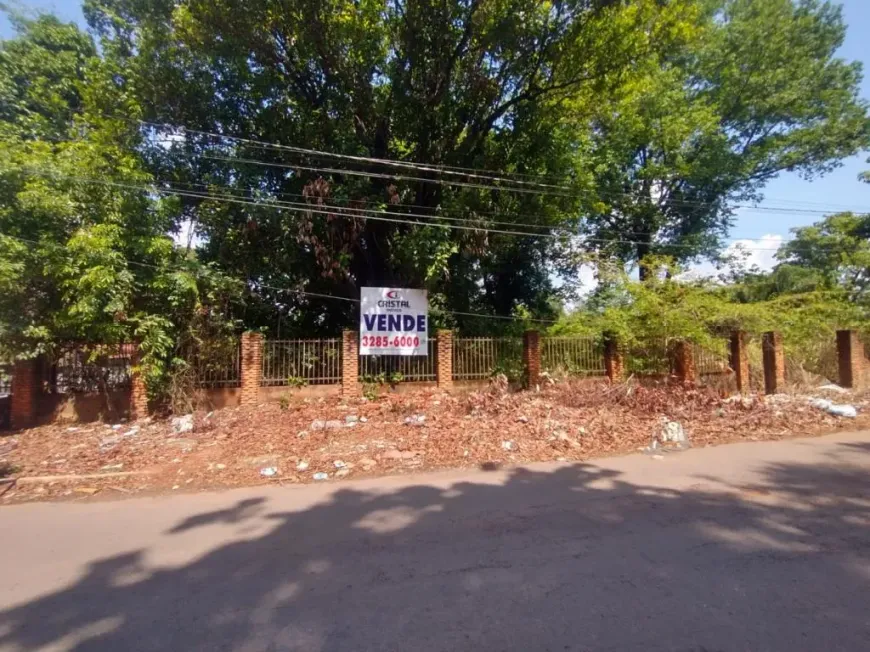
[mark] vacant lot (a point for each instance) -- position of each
(327, 439)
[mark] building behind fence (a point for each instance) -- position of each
(252, 369)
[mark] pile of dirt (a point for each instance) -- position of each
(329, 438)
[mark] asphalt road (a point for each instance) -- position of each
(761, 546)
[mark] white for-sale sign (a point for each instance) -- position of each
(393, 321)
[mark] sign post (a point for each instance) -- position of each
(393, 321)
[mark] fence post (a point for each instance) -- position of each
(850, 358)
(444, 359)
(251, 368)
(614, 363)
(25, 389)
(138, 393)
(684, 362)
(350, 364)
(532, 357)
(774, 362)
(739, 361)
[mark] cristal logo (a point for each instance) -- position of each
(392, 301)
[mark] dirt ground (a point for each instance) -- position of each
(327, 439)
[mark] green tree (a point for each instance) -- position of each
(471, 83)
(756, 89)
(837, 251)
(85, 253)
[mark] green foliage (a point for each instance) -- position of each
(79, 260)
(296, 382)
(753, 88)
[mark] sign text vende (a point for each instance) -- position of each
(393, 321)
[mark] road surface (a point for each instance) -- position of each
(761, 546)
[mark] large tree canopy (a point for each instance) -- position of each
(85, 252)
(757, 91)
(619, 127)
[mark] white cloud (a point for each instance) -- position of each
(759, 253)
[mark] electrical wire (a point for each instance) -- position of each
(308, 209)
(305, 293)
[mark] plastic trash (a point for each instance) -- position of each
(268, 471)
(847, 411)
(321, 476)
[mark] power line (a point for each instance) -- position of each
(417, 206)
(294, 291)
(565, 194)
(473, 172)
(320, 211)
(490, 175)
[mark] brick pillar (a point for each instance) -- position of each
(850, 356)
(614, 363)
(684, 361)
(444, 359)
(251, 368)
(25, 389)
(350, 364)
(138, 393)
(739, 361)
(532, 357)
(774, 362)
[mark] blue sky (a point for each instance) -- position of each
(839, 190)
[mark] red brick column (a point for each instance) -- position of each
(774, 362)
(25, 389)
(138, 393)
(614, 363)
(532, 357)
(850, 356)
(739, 360)
(684, 361)
(350, 364)
(444, 359)
(251, 368)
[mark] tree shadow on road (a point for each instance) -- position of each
(576, 558)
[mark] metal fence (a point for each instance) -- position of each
(5, 379)
(477, 358)
(91, 368)
(573, 356)
(301, 362)
(399, 368)
(650, 357)
(711, 358)
(217, 363)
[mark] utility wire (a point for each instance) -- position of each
(254, 190)
(472, 172)
(305, 293)
(567, 192)
(350, 213)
